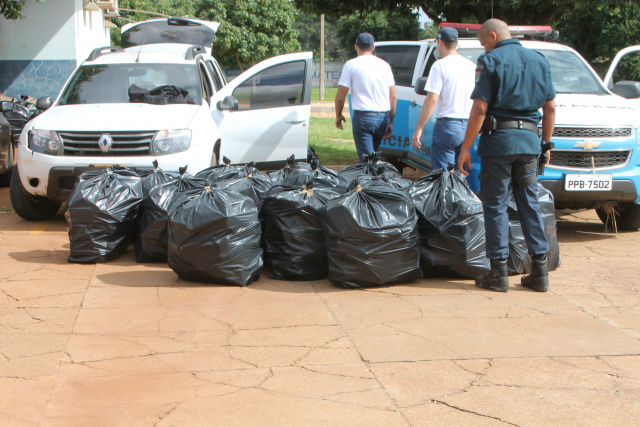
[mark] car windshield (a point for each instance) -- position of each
(111, 83)
(569, 73)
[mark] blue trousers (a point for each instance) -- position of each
(447, 142)
(495, 187)
(368, 129)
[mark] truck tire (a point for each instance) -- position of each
(28, 206)
(5, 177)
(396, 163)
(627, 216)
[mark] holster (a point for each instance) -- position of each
(542, 160)
(489, 124)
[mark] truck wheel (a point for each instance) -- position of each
(5, 178)
(398, 164)
(627, 216)
(28, 206)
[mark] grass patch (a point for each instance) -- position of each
(333, 146)
(329, 93)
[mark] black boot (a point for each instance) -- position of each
(538, 280)
(497, 279)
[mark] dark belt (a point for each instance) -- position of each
(516, 124)
(452, 119)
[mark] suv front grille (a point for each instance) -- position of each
(582, 160)
(580, 132)
(133, 143)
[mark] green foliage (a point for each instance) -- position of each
(250, 31)
(397, 25)
(514, 12)
(12, 9)
(598, 30)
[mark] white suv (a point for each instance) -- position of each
(166, 101)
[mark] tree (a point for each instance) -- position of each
(250, 30)
(397, 25)
(514, 12)
(12, 9)
(599, 30)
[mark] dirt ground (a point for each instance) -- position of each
(127, 344)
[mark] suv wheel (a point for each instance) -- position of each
(5, 178)
(627, 216)
(28, 206)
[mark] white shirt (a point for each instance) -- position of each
(369, 78)
(452, 78)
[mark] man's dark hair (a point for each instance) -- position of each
(449, 45)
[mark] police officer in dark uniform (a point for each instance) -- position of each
(512, 84)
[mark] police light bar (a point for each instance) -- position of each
(515, 30)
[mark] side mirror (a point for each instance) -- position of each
(44, 103)
(627, 89)
(229, 103)
(6, 106)
(420, 84)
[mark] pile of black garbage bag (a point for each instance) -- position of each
(365, 226)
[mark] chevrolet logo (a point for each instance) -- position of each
(588, 144)
(105, 142)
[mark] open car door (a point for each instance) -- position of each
(623, 76)
(263, 114)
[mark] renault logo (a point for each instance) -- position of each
(587, 144)
(105, 142)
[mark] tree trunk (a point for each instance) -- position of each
(239, 64)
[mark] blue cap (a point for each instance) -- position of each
(448, 34)
(365, 40)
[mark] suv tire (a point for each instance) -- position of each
(28, 206)
(627, 216)
(5, 178)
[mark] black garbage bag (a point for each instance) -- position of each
(451, 225)
(322, 177)
(160, 95)
(19, 115)
(102, 213)
(293, 236)
(151, 241)
(371, 237)
(215, 238)
(519, 261)
(220, 172)
(250, 182)
(157, 176)
(385, 178)
(292, 167)
(371, 165)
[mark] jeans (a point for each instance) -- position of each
(495, 185)
(448, 135)
(368, 129)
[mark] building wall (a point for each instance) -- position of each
(39, 52)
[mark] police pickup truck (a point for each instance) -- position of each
(596, 159)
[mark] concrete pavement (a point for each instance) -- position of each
(126, 344)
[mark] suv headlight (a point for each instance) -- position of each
(170, 141)
(45, 142)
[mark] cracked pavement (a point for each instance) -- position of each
(126, 344)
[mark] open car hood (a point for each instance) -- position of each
(188, 31)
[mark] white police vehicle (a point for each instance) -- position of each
(111, 111)
(596, 159)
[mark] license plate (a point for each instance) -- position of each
(587, 182)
